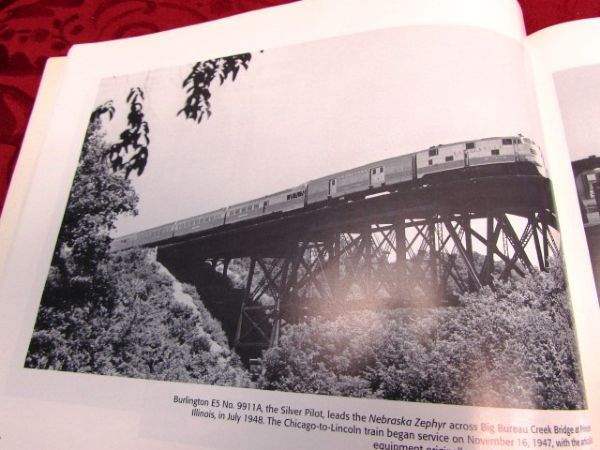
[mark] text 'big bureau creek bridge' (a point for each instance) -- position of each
(422, 244)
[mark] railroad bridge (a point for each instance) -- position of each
(421, 245)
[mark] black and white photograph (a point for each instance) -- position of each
(325, 218)
(578, 99)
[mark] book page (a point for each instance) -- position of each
(355, 242)
(566, 76)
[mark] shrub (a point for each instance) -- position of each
(509, 347)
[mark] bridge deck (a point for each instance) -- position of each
(479, 197)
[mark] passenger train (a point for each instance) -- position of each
(479, 157)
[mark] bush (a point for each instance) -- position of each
(511, 347)
(145, 333)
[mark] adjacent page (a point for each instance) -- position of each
(565, 61)
(356, 242)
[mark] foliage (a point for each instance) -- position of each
(152, 335)
(198, 82)
(118, 314)
(512, 347)
(131, 152)
(97, 198)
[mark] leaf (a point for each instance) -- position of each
(198, 82)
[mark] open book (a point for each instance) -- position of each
(319, 225)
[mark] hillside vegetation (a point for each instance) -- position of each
(147, 329)
(513, 347)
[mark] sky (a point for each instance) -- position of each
(310, 110)
(579, 100)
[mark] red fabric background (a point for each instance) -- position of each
(33, 30)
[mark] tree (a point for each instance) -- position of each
(116, 314)
(131, 152)
(98, 197)
(77, 296)
(198, 83)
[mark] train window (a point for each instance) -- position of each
(289, 196)
(431, 162)
(300, 194)
(381, 170)
(433, 152)
(507, 141)
(469, 145)
(373, 171)
(495, 151)
(449, 158)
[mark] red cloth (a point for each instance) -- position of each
(33, 30)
